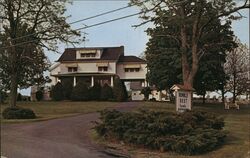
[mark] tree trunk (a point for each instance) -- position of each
(234, 87)
(13, 90)
(223, 95)
(204, 98)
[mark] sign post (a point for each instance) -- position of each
(183, 97)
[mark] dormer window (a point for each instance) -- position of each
(72, 69)
(88, 55)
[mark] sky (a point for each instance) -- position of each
(120, 32)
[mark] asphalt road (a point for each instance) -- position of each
(58, 138)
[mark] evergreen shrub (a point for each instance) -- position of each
(106, 93)
(80, 92)
(18, 113)
(39, 95)
(57, 92)
(188, 133)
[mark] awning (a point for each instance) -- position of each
(132, 66)
(102, 64)
(72, 65)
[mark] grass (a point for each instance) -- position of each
(237, 123)
(46, 110)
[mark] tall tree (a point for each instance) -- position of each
(237, 68)
(28, 27)
(192, 20)
(163, 55)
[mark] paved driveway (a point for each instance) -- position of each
(58, 138)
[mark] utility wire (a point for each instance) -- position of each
(88, 18)
(97, 24)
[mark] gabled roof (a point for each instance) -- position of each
(124, 59)
(182, 87)
(109, 53)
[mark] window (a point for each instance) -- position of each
(132, 69)
(72, 69)
(104, 68)
(87, 55)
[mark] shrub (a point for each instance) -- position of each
(3, 96)
(95, 92)
(67, 84)
(18, 113)
(119, 90)
(106, 92)
(57, 92)
(19, 97)
(146, 91)
(80, 92)
(39, 95)
(187, 133)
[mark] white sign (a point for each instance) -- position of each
(183, 100)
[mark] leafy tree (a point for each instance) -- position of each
(211, 74)
(237, 68)
(106, 92)
(95, 92)
(119, 90)
(57, 92)
(80, 92)
(28, 27)
(190, 24)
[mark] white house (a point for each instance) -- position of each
(98, 64)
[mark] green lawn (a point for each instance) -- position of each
(237, 124)
(48, 109)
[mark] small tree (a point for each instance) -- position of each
(146, 91)
(39, 95)
(106, 92)
(57, 92)
(80, 92)
(119, 90)
(95, 92)
(19, 97)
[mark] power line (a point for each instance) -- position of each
(97, 24)
(88, 18)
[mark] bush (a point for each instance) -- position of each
(3, 96)
(19, 97)
(80, 92)
(39, 95)
(67, 84)
(57, 92)
(18, 113)
(146, 91)
(119, 90)
(106, 92)
(95, 92)
(188, 133)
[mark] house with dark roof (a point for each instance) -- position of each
(98, 64)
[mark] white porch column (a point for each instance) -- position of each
(112, 81)
(74, 82)
(92, 81)
(146, 83)
(143, 84)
